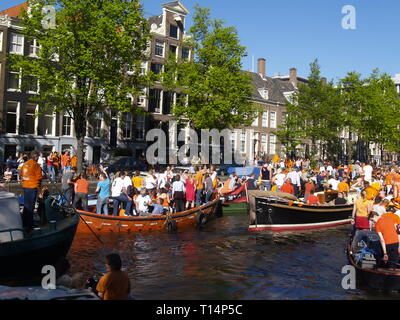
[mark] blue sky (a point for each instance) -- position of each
(292, 33)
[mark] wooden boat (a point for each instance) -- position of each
(368, 270)
(23, 256)
(111, 224)
(276, 211)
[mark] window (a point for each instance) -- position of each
(264, 93)
(140, 128)
(173, 31)
(32, 84)
(1, 41)
(127, 125)
(242, 142)
(168, 100)
(265, 119)
(98, 118)
(255, 122)
(12, 117)
(173, 49)
(66, 127)
(159, 48)
(185, 53)
(272, 144)
(156, 68)
(284, 117)
(233, 140)
(154, 100)
(48, 124)
(14, 81)
(273, 119)
(30, 119)
(17, 43)
(264, 143)
(34, 48)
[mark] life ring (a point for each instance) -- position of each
(201, 219)
(172, 226)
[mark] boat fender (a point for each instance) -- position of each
(172, 226)
(201, 218)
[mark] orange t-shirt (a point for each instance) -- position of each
(114, 286)
(343, 187)
(74, 161)
(393, 216)
(386, 226)
(65, 160)
(287, 188)
(199, 181)
(31, 175)
(82, 186)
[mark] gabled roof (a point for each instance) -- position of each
(156, 20)
(176, 6)
(15, 12)
(276, 88)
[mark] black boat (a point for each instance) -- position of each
(276, 211)
(365, 255)
(22, 256)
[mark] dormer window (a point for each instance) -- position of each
(173, 31)
(264, 93)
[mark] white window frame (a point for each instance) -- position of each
(264, 143)
(141, 120)
(38, 87)
(125, 124)
(19, 81)
(17, 116)
(1, 40)
(163, 48)
(35, 47)
(53, 126)
(16, 43)
(272, 144)
(66, 116)
(36, 120)
(256, 121)
(98, 116)
(265, 119)
(272, 120)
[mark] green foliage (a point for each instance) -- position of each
(83, 62)
(218, 91)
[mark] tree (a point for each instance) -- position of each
(214, 92)
(313, 113)
(89, 61)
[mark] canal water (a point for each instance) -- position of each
(226, 262)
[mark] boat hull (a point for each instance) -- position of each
(24, 259)
(275, 216)
(378, 279)
(110, 224)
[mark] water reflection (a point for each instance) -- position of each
(225, 261)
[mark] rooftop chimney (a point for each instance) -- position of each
(261, 67)
(293, 76)
(323, 81)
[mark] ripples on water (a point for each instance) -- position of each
(226, 262)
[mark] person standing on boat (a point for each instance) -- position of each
(103, 191)
(362, 208)
(386, 227)
(208, 187)
(190, 192)
(67, 185)
(81, 192)
(266, 175)
(178, 194)
(115, 285)
(31, 176)
(143, 201)
(199, 186)
(119, 195)
(288, 187)
(294, 176)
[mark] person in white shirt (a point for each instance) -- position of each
(334, 183)
(143, 201)
(119, 195)
(295, 177)
(127, 181)
(279, 179)
(367, 170)
(150, 182)
(179, 194)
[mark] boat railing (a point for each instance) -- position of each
(10, 231)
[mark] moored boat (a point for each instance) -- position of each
(22, 256)
(276, 211)
(111, 224)
(364, 256)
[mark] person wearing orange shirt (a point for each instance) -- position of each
(66, 162)
(31, 176)
(81, 192)
(386, 228)
(74, 161)
(287, 187)
(344, 186)
(115, 285)
(199, 178)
